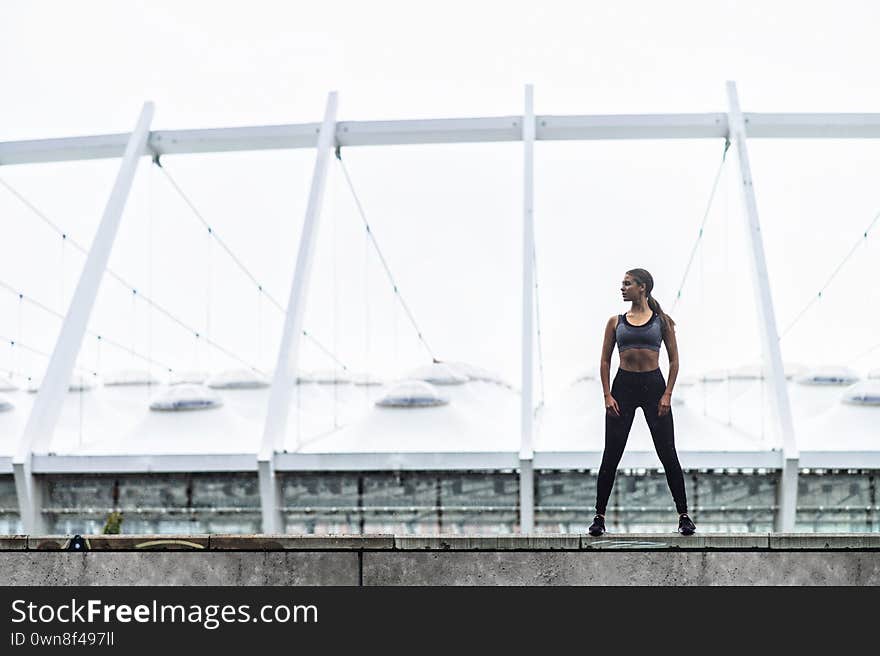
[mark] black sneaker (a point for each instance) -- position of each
(686, 526)
(597, 528)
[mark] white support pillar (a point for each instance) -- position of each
(527, 415)
(288, 354)
(44, 414)
(780, 406)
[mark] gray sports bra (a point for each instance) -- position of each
(646, 336)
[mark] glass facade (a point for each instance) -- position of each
(838, 500)
(642, 503)
(153, 503)
(445, 502)
(414, 503)
(10, 522)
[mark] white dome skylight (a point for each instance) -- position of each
(866, 392)
(831, 375)
(473, 372)
(747, 372)
(412, 394)
(78, 383)
(439, 373)
(754, 371)
(237, 379)
(322, 377)
(130, 377)
(6, 385)
(329, 377)
(185, 396)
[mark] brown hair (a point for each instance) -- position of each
(642, 277)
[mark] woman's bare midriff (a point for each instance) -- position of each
(637, 359)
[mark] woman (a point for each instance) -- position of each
(639, 383)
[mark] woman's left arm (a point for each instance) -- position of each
(672, 351)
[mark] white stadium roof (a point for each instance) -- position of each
(721, 424)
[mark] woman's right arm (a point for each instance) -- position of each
(605, 366)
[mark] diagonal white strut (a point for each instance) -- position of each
(288, 354)
(780, 407)
(46, 410)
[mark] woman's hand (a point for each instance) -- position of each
(611, 406)
(665, 404)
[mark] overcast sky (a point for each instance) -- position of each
(448, 218)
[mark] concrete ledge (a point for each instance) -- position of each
(488, 542)
(122, 542)
(388, 542)
(661, 542)
(53, 568)
(584, 568)
(379, 559)
(300, 542)
(13, 542)
(825, 541)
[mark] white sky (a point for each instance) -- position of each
(448, 218)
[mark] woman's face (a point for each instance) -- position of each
(630, 289)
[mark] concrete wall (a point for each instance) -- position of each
(649, 559)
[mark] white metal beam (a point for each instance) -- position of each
(631, 126)
(288, 353)
(433, 461)
(447, 130)
(812, 126)
(562, 460)
(526, 495)
(429, 131)
(270, 497)
(430, 461)
(398, 461)
(648, 460)
(780, 407)
(143, 463)
(47, 404)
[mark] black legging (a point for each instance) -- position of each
(631, 390)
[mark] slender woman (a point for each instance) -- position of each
(639, 383)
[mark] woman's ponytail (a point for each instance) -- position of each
(654, 305)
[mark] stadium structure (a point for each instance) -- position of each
(449, 448)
